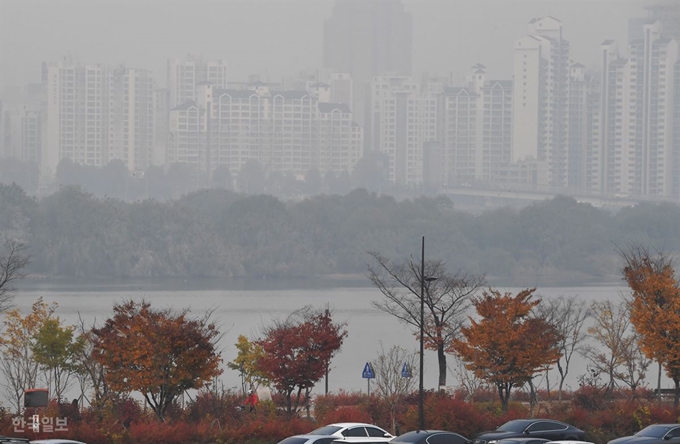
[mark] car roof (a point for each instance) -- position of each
(569, 441)
(350, 424)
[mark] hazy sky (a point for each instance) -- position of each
(281, 37)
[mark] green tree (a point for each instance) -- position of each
(246, 363)
(55, 349)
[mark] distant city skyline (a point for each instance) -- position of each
(283, 37)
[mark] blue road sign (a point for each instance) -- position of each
(368, 371)
(406, 371)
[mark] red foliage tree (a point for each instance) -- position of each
(297, 353)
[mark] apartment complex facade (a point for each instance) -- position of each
(290, 132)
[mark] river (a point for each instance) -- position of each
(241, 311)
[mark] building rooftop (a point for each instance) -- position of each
(184, 106)
(326, 107)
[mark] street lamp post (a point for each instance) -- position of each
(423, 279)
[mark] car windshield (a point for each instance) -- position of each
(516, 426)
(508, 441)
(326, 430)
(653, 432)
(293, 440)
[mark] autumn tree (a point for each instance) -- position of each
(655, 307)
(297, 353)
(245, 363)
(160, 353)
(12, 262)
(55, 348)
(391, 385)
(446, 300)
(19, 367)
(89, 371)
(611, 331)
(568, 315)
(506, 346)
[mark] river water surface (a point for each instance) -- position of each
(244, 312)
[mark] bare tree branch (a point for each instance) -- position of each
(12, 262)
(446, 299)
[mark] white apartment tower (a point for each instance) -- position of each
(638, 135)
(77, 115)
(131, 115)
(476, 128)
(582, 100)
(541, 80)
(402, 121)
(185, 74)
(652, 63)
(96, 114)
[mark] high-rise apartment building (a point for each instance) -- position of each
(582, 100)
(476, 128)
(541, 81)
(403, 119)
(638, 116)
(77, 115)
(367, 38)
(185, 74)
(96, 114)
(31, 136)
(131, 115)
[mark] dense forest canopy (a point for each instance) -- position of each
(219, 233)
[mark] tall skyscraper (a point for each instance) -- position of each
(96, 114)
(403, 119)
(131, 114)
(476, 128)
(639, 113)
(541, 81)
(367, 38)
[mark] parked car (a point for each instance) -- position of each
(11, 440)
(430, 437)
(56, 441)
(309, 439)
(354, 432)
(531, 428)
(569, 442)
(653, 434)
(523, 440)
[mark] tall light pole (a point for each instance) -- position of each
(421, 411)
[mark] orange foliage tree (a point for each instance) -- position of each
(507, 345)
(655, 308)
(159, 353)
